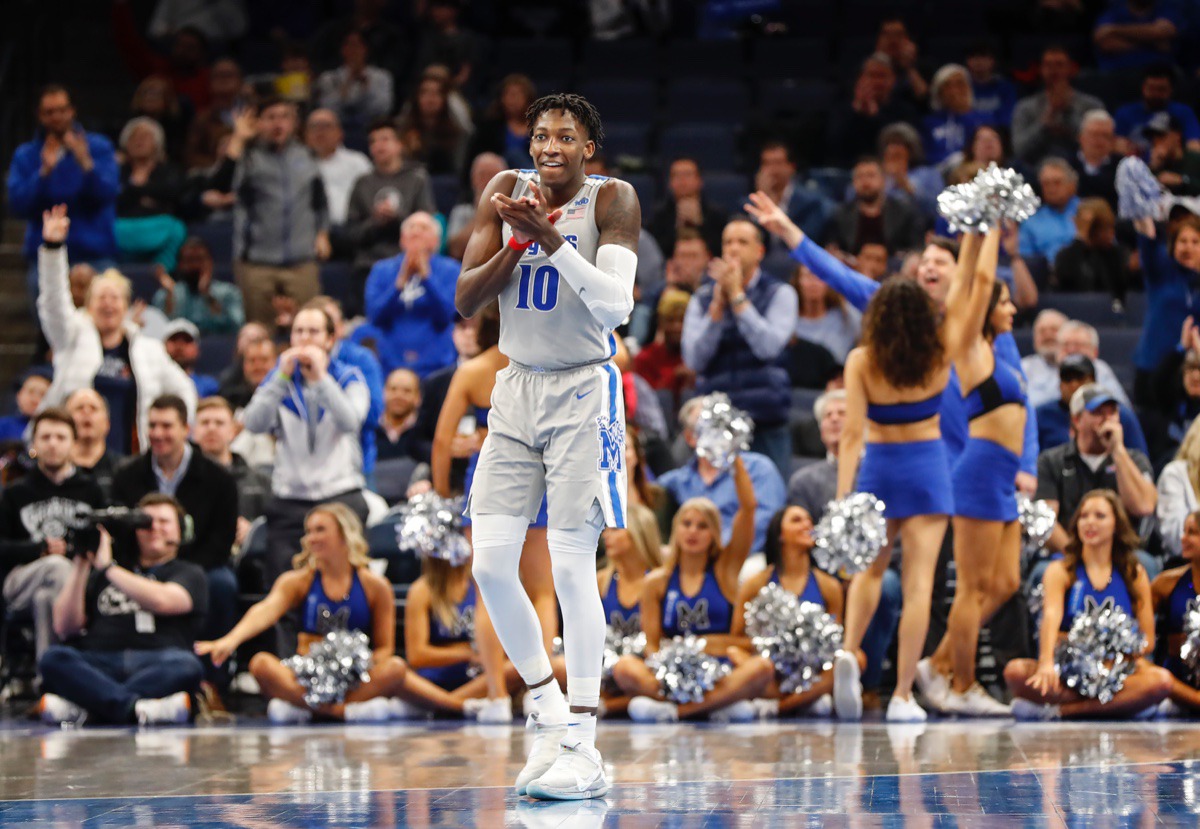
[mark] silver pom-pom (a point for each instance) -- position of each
(850, 534)
(995, 194)
(1037, 523)
(431, 527)
(685, 673)
(722, 431)
(1139, 193)
(619, 643)
(1100, 652)
(799, 638)
(332, 666)
(1189, 652)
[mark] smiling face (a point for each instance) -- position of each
(1097, 522)
(795, 532)
(107, 305)
(559, 146)
(1004, 312)
(693, 535)
(168, 433)
(1187, 248)
(1190, 543)
(934, 272)
(323, 538)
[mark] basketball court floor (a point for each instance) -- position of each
(789, 774)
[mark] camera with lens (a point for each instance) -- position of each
(83, 536)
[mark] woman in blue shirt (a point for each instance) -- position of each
(1099, 563)
(954, 118)
(1172, 273)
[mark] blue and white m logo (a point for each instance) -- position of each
(612, 444)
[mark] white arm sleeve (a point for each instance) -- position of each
(606, 288)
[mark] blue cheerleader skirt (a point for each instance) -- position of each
(984, 479)
(448, 677)
(910, 478)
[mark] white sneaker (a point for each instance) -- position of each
(489, 711)
(933, 684)
(847, 687)
(402, 709)
(905, 710)
(765, 709)
(245, 683)
(1027, 710)
(741, 711)
(821, 709)
(378, 709)
(577, 774)
(280, 712)
(648, 709)
(54, 710)
(545, 750)
(1168, 709)
(975, 702)
(173, 709)
(551, 814)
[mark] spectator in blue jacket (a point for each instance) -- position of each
(954, 117)
(1136, 33)
(1158, 87)
(995, 95)
(410, 300)
(1171, 270)
(807, 207)
(1052, 227)
(31, 388)
(1054, 417)
(65, 165)
(363, 359)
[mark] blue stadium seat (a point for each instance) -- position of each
(803, 399)
(141, 277)
(704, 59)
(633, 58)
(621, 99)
(1118, 344)
(1024, 338)
(1135, 308)
(218, 235)
(647, 191)
(1093, 308)
(727, 191)
(706, 100)
(800, 97)
(711, 144)
(833, 182)
(402, 567)
(216, 353)
(790, 57)
(531, 56)
(336, 280)
(626, 139)
(446, 190)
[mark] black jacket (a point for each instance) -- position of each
(208, 493)
(662, 225)
(35, 508)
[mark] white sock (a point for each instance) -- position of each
(581, 728)
(550, 703)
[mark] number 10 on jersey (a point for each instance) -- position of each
(538, 288)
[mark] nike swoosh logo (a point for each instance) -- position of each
(585, 394)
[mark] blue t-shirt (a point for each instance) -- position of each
(995, 99)
(945, 133)
(115, 383)
(13, 427)
(1131, 122)
(1120, 15)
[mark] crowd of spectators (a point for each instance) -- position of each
(294, 237)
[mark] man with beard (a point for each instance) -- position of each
(213, 306)
(36, 514)
(872, 216)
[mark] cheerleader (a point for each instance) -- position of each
(789, 564)
(1172, 592)
(694, 592)
(1100, 563)
(894, 386)
(470, 394)
(987, 537)
(332, 562)
(631, 552)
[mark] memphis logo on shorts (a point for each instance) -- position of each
(612, 444)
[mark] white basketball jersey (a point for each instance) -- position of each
(543, 322)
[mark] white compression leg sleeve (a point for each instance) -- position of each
(497, 540)
(573, 558)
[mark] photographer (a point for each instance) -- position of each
(1095, 459)
(35, 514)
(132, 661)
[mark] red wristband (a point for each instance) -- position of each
(515, 245)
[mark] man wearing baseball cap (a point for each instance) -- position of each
(1095, 459)
(181, 338)
(1176, 166)
(1054, 417)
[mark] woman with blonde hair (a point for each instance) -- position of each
(1179, 490)
(632, 552)
(332, 562)
(694, 592)
(1102, 551)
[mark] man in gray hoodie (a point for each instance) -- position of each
(281, 217)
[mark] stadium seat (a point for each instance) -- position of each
(216, 353)
(1026, 49)
(336, 280)
(218, 235)
(833, 182)
(531, 56)
(647, 192)
(726, 190)
(1024, 339)
(798, 97)
(704, 59)
(1118, 344)
(1093, 308)
(392, 477)
(249, 560)
(629, 100)
(626, 140)
(402, 567)
(632, 58)
(706, 100)
(1113, 88)
(790, 58)
(446, 190)
(711, 144)
(142, 279)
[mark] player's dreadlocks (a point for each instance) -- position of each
(577, 105)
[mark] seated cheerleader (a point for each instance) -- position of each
(1172, 591)
(332, 563)
(789, 564)
(631, 552)
(694, 593)
(1102, 550)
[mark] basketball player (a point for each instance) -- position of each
(559, 250)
